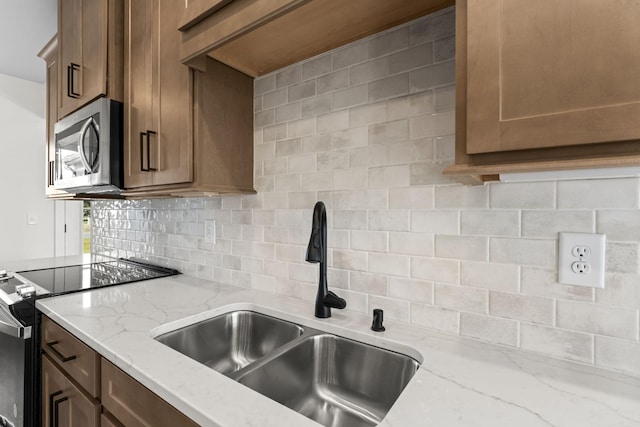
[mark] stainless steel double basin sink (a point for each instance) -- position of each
(330, 379)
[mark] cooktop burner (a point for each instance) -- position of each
(61, 280)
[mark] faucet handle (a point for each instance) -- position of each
(378, 317)
(334, 301)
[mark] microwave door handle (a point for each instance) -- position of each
(83, 156)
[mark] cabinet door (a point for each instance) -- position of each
(82, 31)
(551, 73)
(133, 404)
(174, 157)
(157, 97)
(63, 403)
(138, 91)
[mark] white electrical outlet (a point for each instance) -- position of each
(581, 259)
(210, 231)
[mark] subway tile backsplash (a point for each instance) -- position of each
(368, 129)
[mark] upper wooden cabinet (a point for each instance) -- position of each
(89, 52)
(260, 36)
(546, 85)
(186, 132)
(156, 108)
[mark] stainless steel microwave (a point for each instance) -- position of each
(89, 149)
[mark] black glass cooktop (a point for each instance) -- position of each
(60, 280)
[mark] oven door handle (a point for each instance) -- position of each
(10, 326)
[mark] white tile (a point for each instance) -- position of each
(411, 198)
(435, 318)
(289, 75)
(372, 284)
(462, 197)
(369, 199)
(390, 132)
(303, 127)
(522, 307)
(620, 355)
(411, 290)
(434, 124)
(350, 219)
(350, 260)
(462, 298)
(490, 222)
(390, 264)
(349, 138)
(436, 221)
(622, 257)
(602, 194)
(367, 114)
(540, 253)
(436, 270)
(547, 224)
(389, 220)
(621, 290)
(333, 121)
(557, 342)
(543, 282)
(620, 225)
(389, 176)
(502, 277)
(410, 106)
(489, 329)
(462, 247)
(350, 179)
(371, 241)
(596, 319)
(536, 195)
(302, 163)
(411, 243)
(317, 181)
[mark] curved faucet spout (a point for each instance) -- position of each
(317, 253)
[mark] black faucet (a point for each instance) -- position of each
(317, 252)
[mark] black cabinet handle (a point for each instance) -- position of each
(51, 411)
(60, 356)
(70, 80)
(149, 133)
(51, 174)
(56, 405)
(146, 135)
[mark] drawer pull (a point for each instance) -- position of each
(56, 404)
(60, 356)
(51, 412)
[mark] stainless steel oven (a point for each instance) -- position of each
(20, 370)
(89, 149)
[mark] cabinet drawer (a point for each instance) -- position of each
(77, 360)
(133, 404)
(63, 403)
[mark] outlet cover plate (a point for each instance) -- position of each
(594, 275)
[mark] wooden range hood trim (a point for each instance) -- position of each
(290, 31)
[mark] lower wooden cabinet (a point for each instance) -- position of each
(135, 405)
(64, 403)
(117, 399)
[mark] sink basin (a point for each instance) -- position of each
(230, 342)
(333, 380)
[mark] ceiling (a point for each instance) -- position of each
(25, 27)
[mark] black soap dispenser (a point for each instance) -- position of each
(378, 317)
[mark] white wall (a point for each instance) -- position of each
(22, 171)
(368, 128)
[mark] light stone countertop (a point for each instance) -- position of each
(460, 382)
